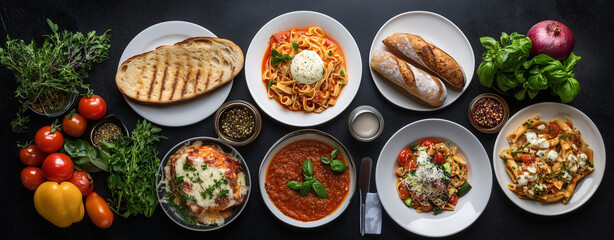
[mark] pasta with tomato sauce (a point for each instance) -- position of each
(304, 69)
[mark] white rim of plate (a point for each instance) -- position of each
(596, 176)
(153, 34)
(255, 54)
(478, 210)
(415, 103)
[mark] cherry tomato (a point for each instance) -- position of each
(427, 143)
(92, 107)
(404, 156)
(426, 208)
(98, 210)
(554, 129)
(570, 124)
(438, 158)
(83, 181)
(74, 124)
(31, 155)
(413, 164)
(453, 200)
(528, 158)
(403, 192)
(58, 167)
(49, 139)
(32, 177)
(575, 139)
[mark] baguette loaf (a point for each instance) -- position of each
(181, 71)
(422, 53)
(417, 82)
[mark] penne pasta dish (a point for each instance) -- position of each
(546, 159)
(431, 176)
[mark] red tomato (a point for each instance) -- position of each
(58, 167)
(528, 158)
(403, 192)
(426, 208)
(404, 157)
(32, 177)
(92, 107)
(74, 124)
(83, 181)
(98, 210)
(453, 200)
(554, 129)
(280, 36)
(427, 143)
(49, 139)
(438, 158)
(570, 124)
(413, 164)
(31, 155)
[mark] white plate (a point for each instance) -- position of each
(433, 28)
(585, 189)
(302, 19)
(468, 208)
(182, 113)
(293, 137)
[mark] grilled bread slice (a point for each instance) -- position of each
(181, 71)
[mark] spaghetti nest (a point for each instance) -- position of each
(295, 96)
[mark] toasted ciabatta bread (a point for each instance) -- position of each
(417, 82)
(181, 71)
(422, 53)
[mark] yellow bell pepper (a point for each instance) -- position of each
(60, 204)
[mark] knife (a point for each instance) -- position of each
(364, 183)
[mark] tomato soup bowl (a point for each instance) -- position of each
(337, 204)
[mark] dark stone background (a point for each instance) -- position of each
(590, 21)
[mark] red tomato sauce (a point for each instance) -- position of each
(286, 166)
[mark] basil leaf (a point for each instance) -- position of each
(571, 62)
(81, 160)
(105, 156)
(486, 73)
(543, 59)
(270, 83)
(325, 160)
(537, 82)
(413, 148)
(505, 39)
(508, 59)
(70, 147)
(521, 95)
(295, 46)
(305, 188)
(307, 168)
(337, 166)
(319, 189)
(519, 74)
(568, 90)
(505, 81)
(522, 42)
(334, 154)
(527, 64)
(294, 185)
(489, 43)
(532, 93)
(275, 53)
(555, 75)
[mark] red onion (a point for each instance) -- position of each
(551, 38)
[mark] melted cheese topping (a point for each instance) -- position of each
(536, 141)
(307, 67)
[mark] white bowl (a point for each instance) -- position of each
(256, 52)
(302, 135)
(585, 188)
(468, 208)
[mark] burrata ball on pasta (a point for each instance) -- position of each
(307, 67)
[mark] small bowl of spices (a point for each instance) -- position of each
(106, 129)
(488, 112)
(237, 122)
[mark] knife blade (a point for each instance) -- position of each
(364, 183)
